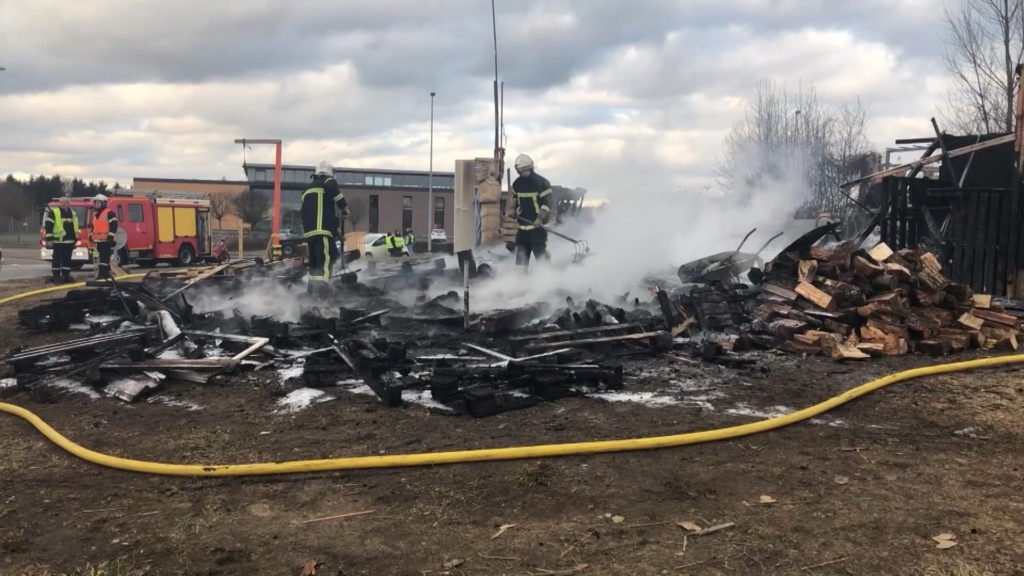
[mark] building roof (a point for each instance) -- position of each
(347, 169)
(191, 181)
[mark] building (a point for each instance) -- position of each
(380, 200)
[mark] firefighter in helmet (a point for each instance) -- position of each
(104, 227)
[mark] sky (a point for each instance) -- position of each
(609, 95)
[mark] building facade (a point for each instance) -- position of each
(380, 200)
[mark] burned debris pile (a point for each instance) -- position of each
(137, 338)
(853, 304)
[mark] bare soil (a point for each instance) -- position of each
(862, 490)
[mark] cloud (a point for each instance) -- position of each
(617, 98)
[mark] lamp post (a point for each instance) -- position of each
(430, 181)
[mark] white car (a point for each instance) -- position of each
(438, 234)
(374, 247)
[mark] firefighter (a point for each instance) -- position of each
(104, 226)
(321, 223)
(60, 226)
(531, 193)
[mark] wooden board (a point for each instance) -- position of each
(865, 268)
(898, 271)
(872, 349)
(935, 281)
(816, 296)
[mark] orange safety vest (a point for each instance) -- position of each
(101, 226)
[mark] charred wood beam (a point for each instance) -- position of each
(930, 160)
(571, 333)
(945, 153)
(80, 344)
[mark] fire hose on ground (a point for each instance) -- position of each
(495, 454)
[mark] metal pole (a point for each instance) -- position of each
(276, 228)
(430, 181)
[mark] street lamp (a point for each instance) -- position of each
(430, 181)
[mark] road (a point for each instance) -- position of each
(23, 263)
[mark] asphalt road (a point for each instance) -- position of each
(23, 263)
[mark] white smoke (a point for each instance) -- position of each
(651, 231)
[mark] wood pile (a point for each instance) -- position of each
(854, 304)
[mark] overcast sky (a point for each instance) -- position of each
(605, 94)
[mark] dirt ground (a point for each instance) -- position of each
(861, 490)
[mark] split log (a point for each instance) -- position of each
(871, 349)
(934, 347)
(971, 321)
(848, 352)
(780, 291)
(786, 329)
(983, 301)
(822, 253)
(1009, 343)
(959, 340)
(930, 262)
(866, 268)
(963, 295)
(942, 316)
(898, 271)
(884, 283)
(997, 317)
(935, 281)
(796, 347)
(813, 294)
(922, 325)
(889, 328)
(929, 298)
(841, 255)
(839, 328)
(808, 270)
(880, 253)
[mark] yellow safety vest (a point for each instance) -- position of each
(59, 233)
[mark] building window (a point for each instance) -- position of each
(261, 175)
(439, 212)
(374, 213)
(406, 213)
(135, 213)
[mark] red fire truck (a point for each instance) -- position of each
(155, 230)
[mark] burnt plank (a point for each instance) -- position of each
(1002, 246)
(991, 231)
(981, 219)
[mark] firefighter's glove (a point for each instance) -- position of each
(510, 246)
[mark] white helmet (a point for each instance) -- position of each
(324, 169)
(100, 198)
(523, 161)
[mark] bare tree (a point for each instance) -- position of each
(356, 211)
(220, 206)
(251, 207)
(984, 44)
(795, 140)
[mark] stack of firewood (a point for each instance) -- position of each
(854, 304)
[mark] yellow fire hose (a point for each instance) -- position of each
(493, 454)
(59, 288)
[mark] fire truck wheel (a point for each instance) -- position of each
(288, 250)
(186, 255)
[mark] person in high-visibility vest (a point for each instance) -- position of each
(399, 244)
(60, 227)
(104, 226)
(321, 203)
(532, 195)
(410, 240)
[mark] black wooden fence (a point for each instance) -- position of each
(976, 232)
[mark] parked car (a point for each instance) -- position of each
(438, 234)
(375, 247)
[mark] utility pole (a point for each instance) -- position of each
(275, 235)
(430, 181)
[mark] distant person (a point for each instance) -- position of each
(60, 227)
(104, 226)
(531, 193)
(398, 244)
(410, 240)
(321, 204)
